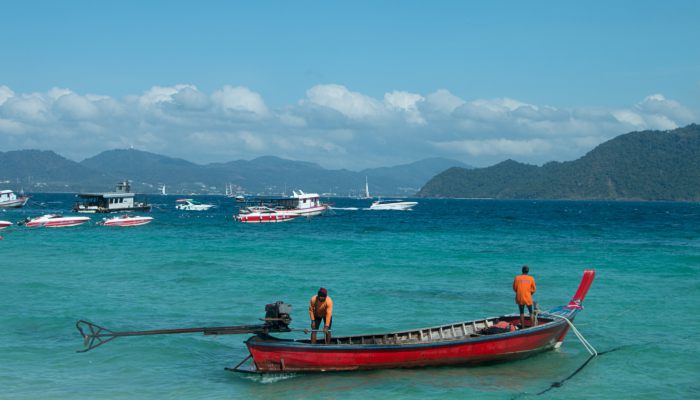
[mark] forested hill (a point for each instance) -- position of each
(46, 171)
(648, 165)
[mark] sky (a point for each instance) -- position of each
(354, 84)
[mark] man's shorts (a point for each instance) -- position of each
(317, 322)
(522, 308)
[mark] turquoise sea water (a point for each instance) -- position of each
(448, 260)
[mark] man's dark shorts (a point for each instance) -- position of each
(522, 308)
(317, 322)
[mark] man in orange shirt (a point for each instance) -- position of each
(524, 288)
(321, 309)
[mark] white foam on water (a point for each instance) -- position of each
(269, 378)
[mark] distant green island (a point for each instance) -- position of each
(648, 165)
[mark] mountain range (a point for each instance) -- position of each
(648, 165)
(46, 171)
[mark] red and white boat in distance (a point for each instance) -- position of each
(126, 220)
(262, 214)
(8, 199)
(5, 224)
(55, 221)
(299, 203)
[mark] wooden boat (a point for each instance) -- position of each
(463, 343)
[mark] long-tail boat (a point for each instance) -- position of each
(462, 343)
(476, 342)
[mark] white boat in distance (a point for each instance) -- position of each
(397, 205)
(262, 214)
(121, 200)
(54, 221)
(299, 203)
(192, 205)
(8, 199)
(5, 224)
(126, 220)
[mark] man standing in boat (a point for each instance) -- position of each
(321, 309)
(524, 288)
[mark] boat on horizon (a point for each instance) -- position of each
(366, 194)
(299, 203)
(475, 342)
(126, 220)
(262, 214)
(121, 200)
(396, 205)
(54, 221)
(234, 194)
(8, 199)
(192, 205)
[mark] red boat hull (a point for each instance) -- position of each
(253, 219)
(269, 356)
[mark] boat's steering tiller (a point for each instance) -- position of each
(277, 319)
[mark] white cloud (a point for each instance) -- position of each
(161, 94)
(11, 127)
(75, 107)
(331, 124)
(407, 103)
(252, 141)
(658, 105)
(292, 120)
(240, 100)
(351, 104)
(629, 117)
(443, 101)
(191, 98)
(655, 112)
(5, 93)
(505, 147)
(30, 108)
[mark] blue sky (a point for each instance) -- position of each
(354, 84)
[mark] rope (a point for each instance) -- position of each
(591, 350)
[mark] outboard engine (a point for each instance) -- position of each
(278, 316)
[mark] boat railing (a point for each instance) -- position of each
(460, 330)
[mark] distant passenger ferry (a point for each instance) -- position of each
(118, 201)
(299, 203)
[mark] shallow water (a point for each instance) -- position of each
(448, 260)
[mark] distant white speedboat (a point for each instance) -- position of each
(397, 205)
(192, 205)
(126, 220)
(5, 224)
(55, 221)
